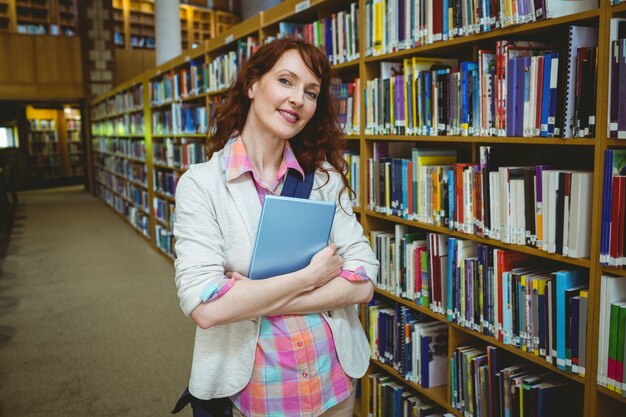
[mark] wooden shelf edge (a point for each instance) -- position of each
(611, 394)
(489, 339)
(585, 263)
(616, 142)
(486, 140)
(618, 8)
(614, 271)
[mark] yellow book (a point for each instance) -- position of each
(541, 291)
(378, 29)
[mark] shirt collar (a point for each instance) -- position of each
(238, 163)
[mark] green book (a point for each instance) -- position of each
(613, 335)
(621, 330)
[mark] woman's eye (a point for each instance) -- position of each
(312, 94)
(284, 81)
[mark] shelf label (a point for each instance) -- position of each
(229, 39)
(187, 58)
(303, 5)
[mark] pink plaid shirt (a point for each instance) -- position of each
(296, 370)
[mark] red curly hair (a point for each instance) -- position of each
(320, 140)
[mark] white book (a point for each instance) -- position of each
(549, 232)
(579, 235)
(612, 289)
(494, 180)
(521, 213)
(558, 8)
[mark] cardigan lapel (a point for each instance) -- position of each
(246, 202)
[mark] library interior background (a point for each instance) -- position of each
(485, 143)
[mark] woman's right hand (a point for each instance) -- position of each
(324, 266)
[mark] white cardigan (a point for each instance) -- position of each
(215, 228)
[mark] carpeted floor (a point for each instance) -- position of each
(89, 319)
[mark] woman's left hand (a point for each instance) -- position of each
(236, 275)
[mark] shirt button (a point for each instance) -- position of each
(304, 375)
(300, 343)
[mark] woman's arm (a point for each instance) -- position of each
(337, 293)
(249, 299)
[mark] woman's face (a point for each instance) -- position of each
(285, 98)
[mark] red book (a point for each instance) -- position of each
(539, 94)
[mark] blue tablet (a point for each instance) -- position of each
(291, 231)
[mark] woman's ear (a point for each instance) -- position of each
(251, 90)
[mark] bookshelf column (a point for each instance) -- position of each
(167, 28)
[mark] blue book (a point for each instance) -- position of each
(467, 68)
(452, 279)
(506, 310)
(445, 7)
(291, 231)
(552, 130)
(427, 102)
(606, 206)
(451, 197)
(564, 281)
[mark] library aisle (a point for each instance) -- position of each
(89, 319)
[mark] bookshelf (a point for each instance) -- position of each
(55, 146)
(164, 100)
(134, 23)
(53, 17)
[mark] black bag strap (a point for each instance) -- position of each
(296, 187)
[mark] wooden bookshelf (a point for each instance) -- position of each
(597, 400)
(134, 24)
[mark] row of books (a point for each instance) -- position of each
(389, 398)
(178, 153)
(132, 171)
(164, 210)
(612, 251)
(125, 189)
(413, 344)
(128, 124)
(136, 217)
(42, 124)
(125, 148)
(393, 25)
(187, 81)
(125, 101)
(165, 182)
(336, 34)
(222, 71)
(164, 239)
(519, 301)
(612, 334)
(349, 105)
(510, 91)
(617, 79)
(180, 118)
(540, 205)
(354, 161)
(485, 383)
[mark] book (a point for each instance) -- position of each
(282, 221)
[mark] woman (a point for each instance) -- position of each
(290, 345)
